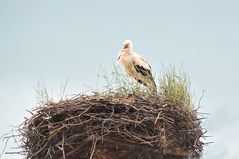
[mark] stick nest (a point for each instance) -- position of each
(111, 127)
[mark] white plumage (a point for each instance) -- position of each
(136, 66)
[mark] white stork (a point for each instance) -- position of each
(136, 66)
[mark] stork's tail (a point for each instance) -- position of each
(153, 86)
(149, 83)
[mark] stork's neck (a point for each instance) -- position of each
(126, 51)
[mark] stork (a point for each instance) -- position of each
(136, 66)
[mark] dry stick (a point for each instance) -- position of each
(199, 102)
(64, 89)
(129, 120)
(157, 118)
(75, 150)
(79, 114)
(138, 138)
(83, 143)
(12, 153)
(105, 121)
(63, 149)
(94, 141)
(4, 148)
(34, 154)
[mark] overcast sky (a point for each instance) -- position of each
(55, 40)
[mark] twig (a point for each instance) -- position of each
(94, 141)
(123, 123)
(199, 102)
(64, 89)
(4, 147)
(63, 149)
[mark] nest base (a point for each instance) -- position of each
(124, 127)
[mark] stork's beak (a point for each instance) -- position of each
(126, 46)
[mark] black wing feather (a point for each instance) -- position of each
(142, 70)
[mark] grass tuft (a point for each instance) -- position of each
(117, 83)
(175, 85)
(42, 95)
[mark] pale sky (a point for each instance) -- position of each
(55, 40)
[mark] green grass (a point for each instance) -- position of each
(42, 95)
(117, 83)
(175, 85)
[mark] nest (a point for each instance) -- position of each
(111, 127)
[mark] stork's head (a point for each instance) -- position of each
(127, 44)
